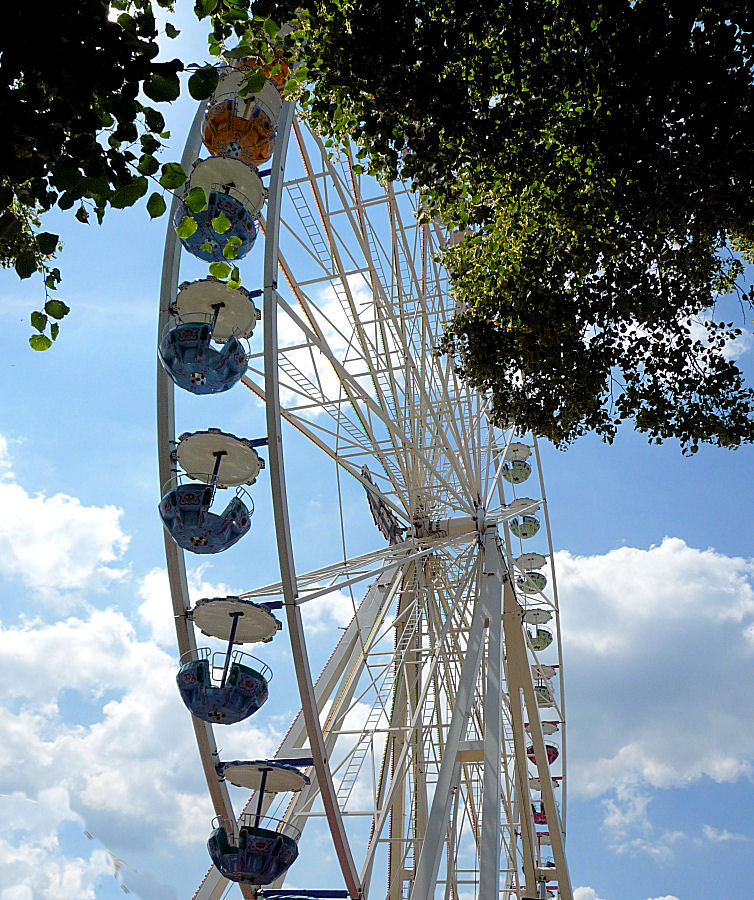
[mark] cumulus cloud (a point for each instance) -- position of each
(655, 641)
(585, 893)
(31, 861)
(629, 828)
(329, 612)
(156, 610)
(130, 776)
(32, 872)
(57, 543)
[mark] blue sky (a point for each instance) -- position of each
(654, 566)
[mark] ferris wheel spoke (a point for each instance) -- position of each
(362, 400)
(429, 333)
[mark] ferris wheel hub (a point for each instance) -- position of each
(445, 528)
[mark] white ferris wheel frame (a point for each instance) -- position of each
(494, 629)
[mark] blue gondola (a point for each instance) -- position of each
(189, 358)
(524, 526)
(262, 853)
(516, 471)
(185, 514)
(207, 244)
(531, 582)
(242, 690)
(539, 638)
(234, 197)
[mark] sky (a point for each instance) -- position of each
(100, 784)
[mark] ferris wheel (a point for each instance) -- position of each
(433, 740)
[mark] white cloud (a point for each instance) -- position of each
(56, 543)
(32, 864)
(5, 465)
(627, 810)
(732, 349)
(721, 835)
(629, 829)
(655, 643)
(156, 610)
(585, 893)
(334, 321)
(135, 766)
(328, 612)
(32, 872)
(666, 897)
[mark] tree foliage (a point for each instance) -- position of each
(595, 162)
(598, 159)
(75, 133)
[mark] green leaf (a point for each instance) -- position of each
(252, 83)
(172, 176)
(40, 342)
(57, 309)
(66, 175)
(162, 88)
(155, 122)
(230, 250)
(6, 196)
(54, 330)
(171, 31)
(47, 243)
(38, 320)
(203, 82)
(148, 165)
(26, 264)
(156, 205)
(149, 144)
(128, 194)
(272, 28)
(219, 269)
(234, 281)
(221, 224)
(82, 215)
(196, 200)
(206, 247)
(209, 6)
(187, 227)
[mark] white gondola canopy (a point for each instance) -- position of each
(516, 451)
(278, 777)
(530, 562)
(540, 671)
(524, 505)
(537, 616)
(215, 616)
(237, 314)
(197, 454)
(548, 728)
(232, 177)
